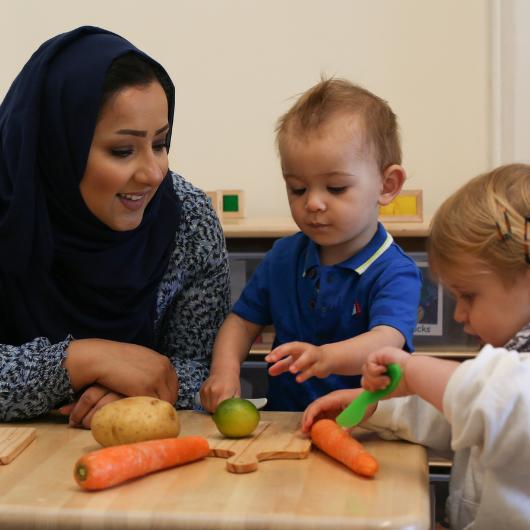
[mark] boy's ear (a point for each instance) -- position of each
(391, 183)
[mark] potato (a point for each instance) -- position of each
(134, 419)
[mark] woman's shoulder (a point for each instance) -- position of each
(197, 213)
(189, 195)
(199, 241)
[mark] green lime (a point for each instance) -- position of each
(236, 417)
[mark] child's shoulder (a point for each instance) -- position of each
(397, 256)
(382, 252)
(394, 263)
(290, 245)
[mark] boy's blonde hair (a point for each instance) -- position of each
(484, 222)
(332, 97)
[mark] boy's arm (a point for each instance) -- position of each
(393, 311)
(231, 348)
(348, 356)
(345, 357)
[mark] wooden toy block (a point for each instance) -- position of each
(406, 207)
(233, 204)
(13, 440)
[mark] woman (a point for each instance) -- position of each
(113, 272)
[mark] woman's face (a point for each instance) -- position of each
(128, 156)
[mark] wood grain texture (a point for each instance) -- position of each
(270, 441)
(38, 491)
(13, 440)
(285, 226)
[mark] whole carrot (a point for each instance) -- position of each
(329, 437)
(113, 465)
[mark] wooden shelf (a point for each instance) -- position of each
(440, 462)
(273, 227)
(260, 350)
(457, 355)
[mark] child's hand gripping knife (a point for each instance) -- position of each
(231, 348)
(332, 404)
(218, 387)
(374, 371)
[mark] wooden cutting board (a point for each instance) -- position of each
(13, 440)
(270, 441)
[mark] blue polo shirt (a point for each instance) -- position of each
(321, 304)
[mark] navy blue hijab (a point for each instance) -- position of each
(62, 270)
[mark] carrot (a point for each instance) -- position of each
(113, 465)
(330, 437)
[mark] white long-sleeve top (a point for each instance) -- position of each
(486, 426)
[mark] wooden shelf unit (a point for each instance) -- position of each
(275, 227)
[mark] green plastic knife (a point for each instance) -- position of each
(355, 411)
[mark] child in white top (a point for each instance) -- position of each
(478, 411)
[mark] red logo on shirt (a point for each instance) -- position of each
(356, 309)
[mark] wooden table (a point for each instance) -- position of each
(37, 489)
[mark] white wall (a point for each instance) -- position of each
(237, 63)
(511, 81)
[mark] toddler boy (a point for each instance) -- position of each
(340, 288)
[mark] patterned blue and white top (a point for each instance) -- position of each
(193, 300)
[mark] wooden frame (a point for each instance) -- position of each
(228, 204)
(232, 204)
(407, 207)
(216, 198)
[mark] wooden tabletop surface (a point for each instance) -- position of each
(37, 489)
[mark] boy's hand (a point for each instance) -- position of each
(330, 406)
(299, 358)
(375, 367)
(218, 388)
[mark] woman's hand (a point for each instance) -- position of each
(122, 368)
(330, 406)
(91, 400)
(217, 388)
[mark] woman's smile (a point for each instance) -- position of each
(133, 201)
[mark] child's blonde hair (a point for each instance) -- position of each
(332, 97)
(484, 222)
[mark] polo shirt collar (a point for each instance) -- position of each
(359, 263)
